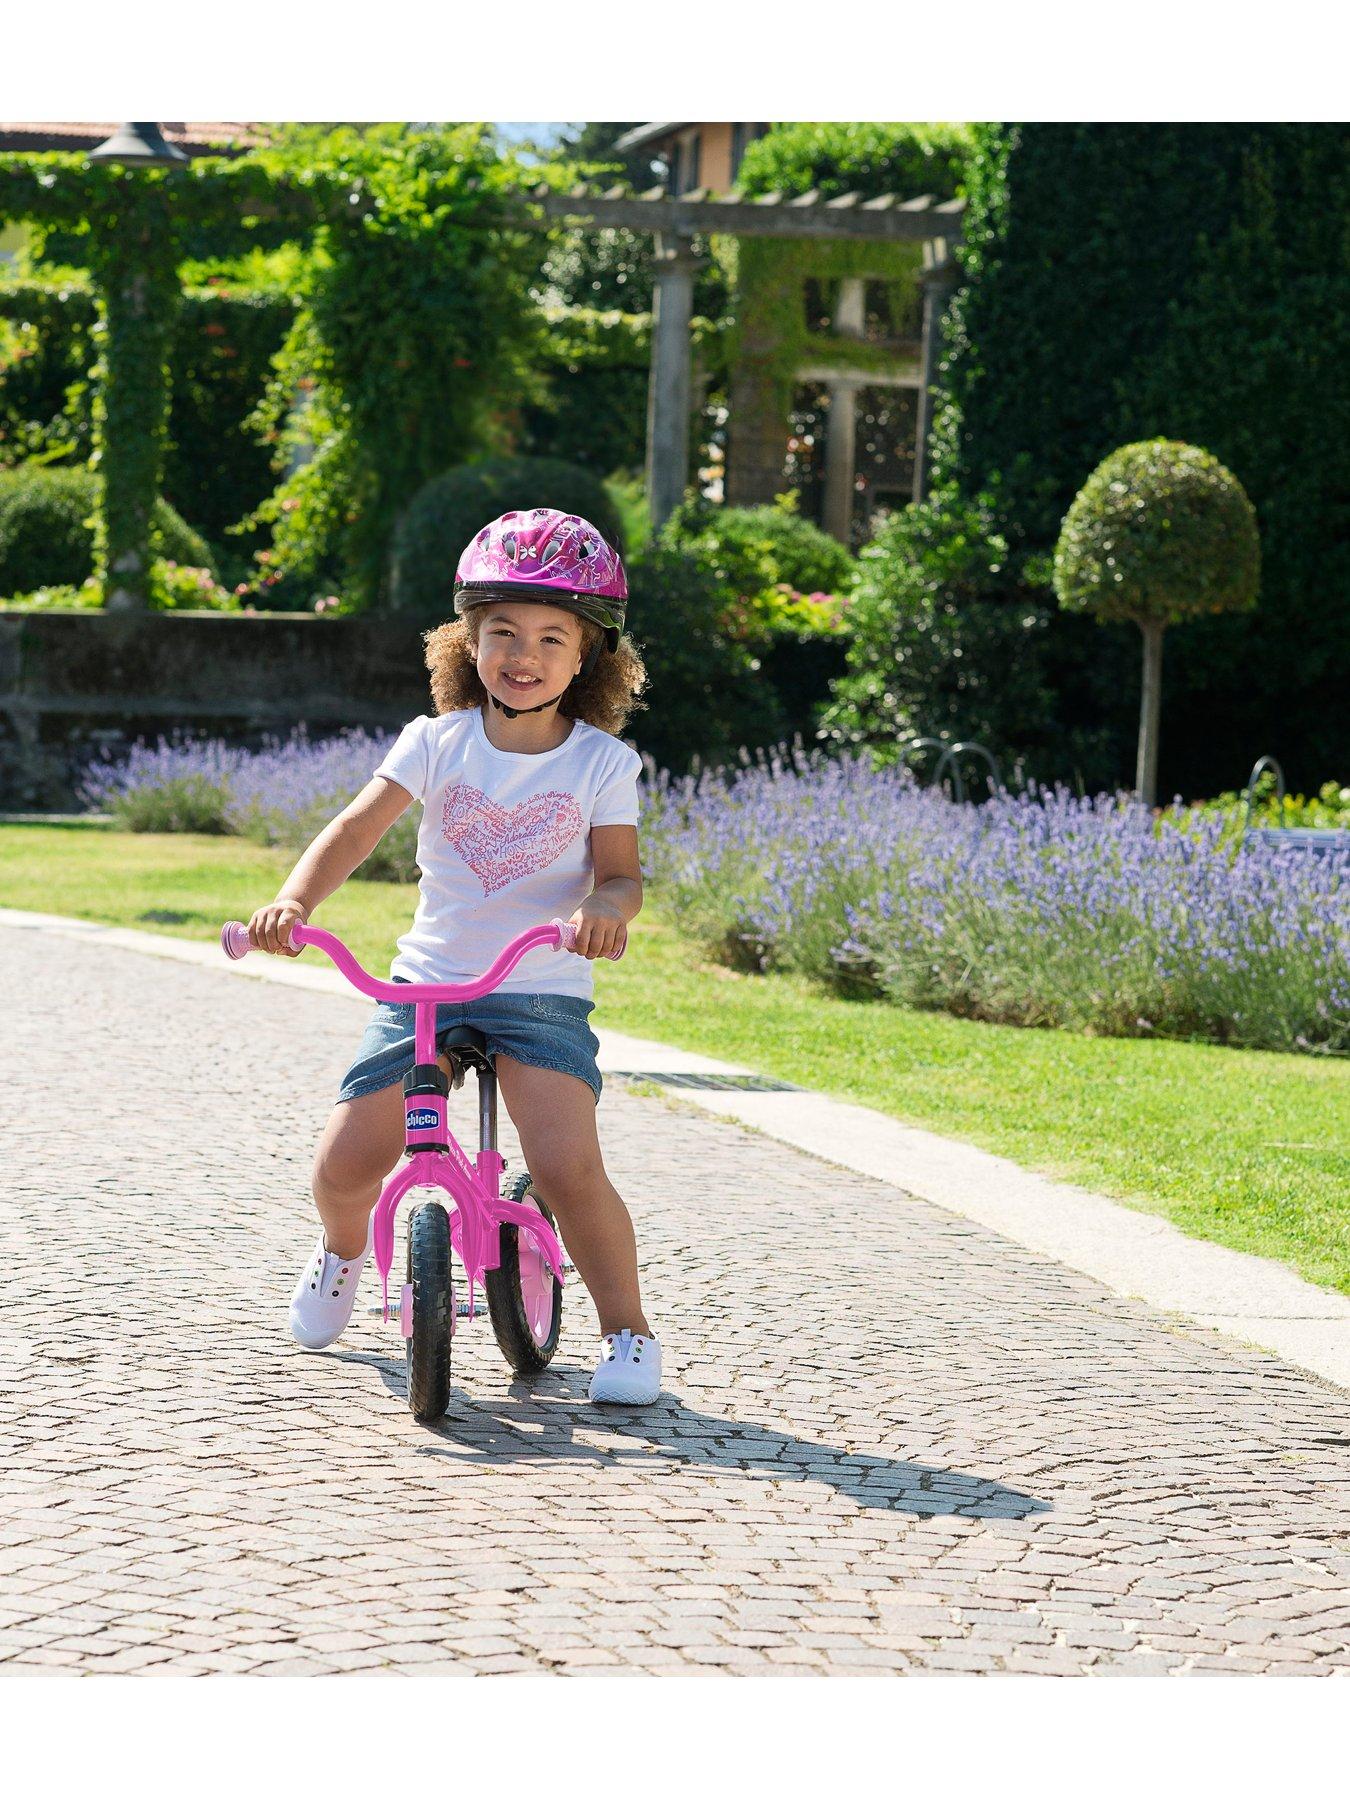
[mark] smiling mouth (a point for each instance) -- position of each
(522, 683)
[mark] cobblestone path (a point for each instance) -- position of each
(892, 1441)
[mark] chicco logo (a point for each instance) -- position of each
(421, 1118)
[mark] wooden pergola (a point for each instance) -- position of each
(672, 222)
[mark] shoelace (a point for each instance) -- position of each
(321, 1274)
(632, 1347)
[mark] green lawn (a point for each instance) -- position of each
(1244, 1147)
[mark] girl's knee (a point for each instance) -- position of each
(570, 1170)
(358, 1148)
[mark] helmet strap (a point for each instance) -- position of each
(514, 712)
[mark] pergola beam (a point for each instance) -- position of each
(886, 220)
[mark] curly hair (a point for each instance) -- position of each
(604, 698)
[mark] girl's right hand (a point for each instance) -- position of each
(270, 927)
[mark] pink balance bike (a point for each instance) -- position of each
(505, 1242)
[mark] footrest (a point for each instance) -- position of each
(400, 1310)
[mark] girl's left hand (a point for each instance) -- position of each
(601, 927)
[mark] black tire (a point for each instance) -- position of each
(428, 1349)
(506, 1305)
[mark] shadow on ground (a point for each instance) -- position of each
(539, 1421)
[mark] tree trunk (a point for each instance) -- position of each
(1150, 713)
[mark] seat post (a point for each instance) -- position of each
(487, 1109)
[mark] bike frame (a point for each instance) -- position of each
(435, 1160)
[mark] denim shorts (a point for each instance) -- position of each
(548, 1031)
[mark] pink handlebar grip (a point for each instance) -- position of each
(568, 937)
(234, 940)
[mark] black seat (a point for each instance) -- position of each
(467, 1049)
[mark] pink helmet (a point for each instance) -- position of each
(555, 558)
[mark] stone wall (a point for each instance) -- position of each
(74, 682)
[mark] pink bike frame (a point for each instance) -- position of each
(435, 1160)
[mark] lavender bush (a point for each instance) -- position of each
(1042, 909)
(178, 786)
(283, 794)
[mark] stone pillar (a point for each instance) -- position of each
(841, 422)
(669, 391)
(939, 277)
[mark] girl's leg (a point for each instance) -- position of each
(361, 1142)
(555, 1117)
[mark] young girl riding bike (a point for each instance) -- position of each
(529, 812)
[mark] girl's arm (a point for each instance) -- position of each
(617, 895)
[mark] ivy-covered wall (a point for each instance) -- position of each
(1193, 282)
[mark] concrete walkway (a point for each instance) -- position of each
(893, 1438)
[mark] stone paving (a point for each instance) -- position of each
(892, 1441)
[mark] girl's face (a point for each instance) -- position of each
(527, 654)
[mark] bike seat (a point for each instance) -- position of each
(466, 1048)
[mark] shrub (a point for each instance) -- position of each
(838, 156)
(180, 785)
(46, 538)
(707, 697)
(286, 793)
(173, 587)
(945, 633)
(446, 513)
(415, 336)
(784, 575)
(1327, 810)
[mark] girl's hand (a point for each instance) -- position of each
(600, 927)
(270, 927)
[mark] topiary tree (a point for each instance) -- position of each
(445, 513)
(1159, 533)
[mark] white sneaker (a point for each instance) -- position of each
(629, 1370)
(325, 1294)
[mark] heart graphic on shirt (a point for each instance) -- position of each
(500, 843)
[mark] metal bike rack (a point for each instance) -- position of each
(967, 747)
(1315, 841)
(921, 743)
(1249, 794)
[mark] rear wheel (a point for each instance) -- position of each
(433, 1298)
(524, 1298)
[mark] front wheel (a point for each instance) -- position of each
(433, 1298)
(524, 1299)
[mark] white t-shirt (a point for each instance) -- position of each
(504, 843)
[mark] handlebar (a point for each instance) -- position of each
(558, 934)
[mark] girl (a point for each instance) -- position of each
(529, 813)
